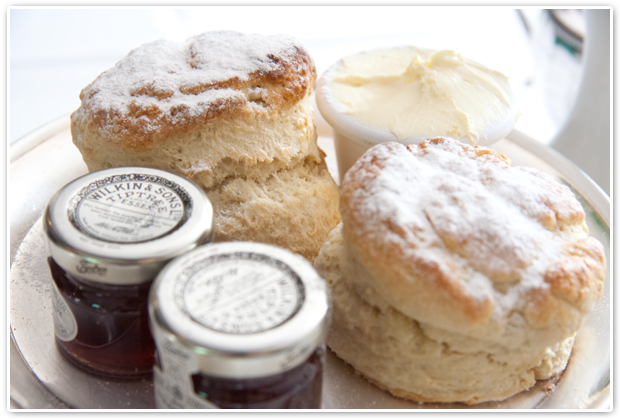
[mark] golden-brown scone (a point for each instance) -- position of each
(456, 277)
(223, 108)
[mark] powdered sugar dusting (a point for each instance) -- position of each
(451, 203)
(224, 55)
(165, 78)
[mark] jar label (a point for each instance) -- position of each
(130, 208)
(169, 394)
(172, 382)
(65, 325)
(239, 293)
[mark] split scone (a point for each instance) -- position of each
(456, 277)
(230, 111)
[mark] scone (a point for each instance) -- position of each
(456, 277)
(230, 111)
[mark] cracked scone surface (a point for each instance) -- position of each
(222, 109)
(456, 277)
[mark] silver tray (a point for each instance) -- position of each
(40, 378)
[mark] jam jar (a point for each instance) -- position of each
(108, 234)
(239, 325)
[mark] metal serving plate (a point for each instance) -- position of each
(41, 378)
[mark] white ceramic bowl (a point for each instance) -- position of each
(352, 138)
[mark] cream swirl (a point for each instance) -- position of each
(419, 93)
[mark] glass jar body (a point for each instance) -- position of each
(109, 323)
(298, 388)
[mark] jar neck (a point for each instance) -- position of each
(94, 286)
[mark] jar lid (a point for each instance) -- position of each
(122, 225)
(239, 310)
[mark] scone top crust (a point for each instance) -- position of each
(165, 88)
(453, 236)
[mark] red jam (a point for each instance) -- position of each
(297, 388)
(113, 336)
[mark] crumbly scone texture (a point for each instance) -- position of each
(224, 109)
(296, 208)
(456, 277)
(164, 88)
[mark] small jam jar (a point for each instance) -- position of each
(108, 235)
(239, 325)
